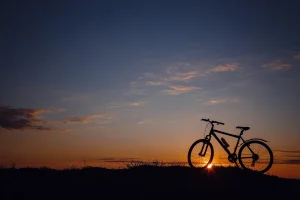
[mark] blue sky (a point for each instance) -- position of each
(140, 74)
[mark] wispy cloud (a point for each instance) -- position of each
(185, 76)
(287, 151)
(287, 156)
(155, 83)
(99, 119)
(54, 110)
(297, 56)
(294, 162)
(179, 89)
(175, 79)
(214, 101)
(225, 68)
(24, 118)
(137, 103)
(144, 122)
(178, 78)
(181, 72)
(277, 65)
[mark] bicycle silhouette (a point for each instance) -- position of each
(254, 154)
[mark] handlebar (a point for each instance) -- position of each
(213, 122)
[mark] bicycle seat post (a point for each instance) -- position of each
(242, 132)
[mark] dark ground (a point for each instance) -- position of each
(143, 182)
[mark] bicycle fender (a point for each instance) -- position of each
(254, 139)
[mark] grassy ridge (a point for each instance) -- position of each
(140, 182)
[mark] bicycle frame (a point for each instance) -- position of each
(213, 133)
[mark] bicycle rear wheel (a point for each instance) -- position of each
(255, 156)
(200, 154)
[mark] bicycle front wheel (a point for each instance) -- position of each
(255, 156)
(200, 154)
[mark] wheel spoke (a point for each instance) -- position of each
(246, 157)
(256, 156)
(200, 154)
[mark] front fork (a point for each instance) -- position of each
(205, 146)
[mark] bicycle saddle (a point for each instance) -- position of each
(245, 128)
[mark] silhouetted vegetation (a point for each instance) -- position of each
(141, 182)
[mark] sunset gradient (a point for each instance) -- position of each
(104, 83)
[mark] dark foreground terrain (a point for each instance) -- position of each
(143, 182)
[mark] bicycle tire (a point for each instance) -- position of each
(264, 162)
(207, 159)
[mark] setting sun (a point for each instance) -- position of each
(209, 166)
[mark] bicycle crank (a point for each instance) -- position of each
(255, 158)
(232, 158)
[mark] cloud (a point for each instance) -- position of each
(179, 89)
(174, 78)
(294, 162)
(21, 119)
(155, 83)
(287, 156)
(225, 68)
(277, 65)
(26, 119)
(55, 110)
(181, 72)
(183, 76)
(137, 103)
(297, 56)
(99, 119)
(144, 122)
(287, 151)
(214, 101)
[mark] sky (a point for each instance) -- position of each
(105, 82)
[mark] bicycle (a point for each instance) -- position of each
(254, 154)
